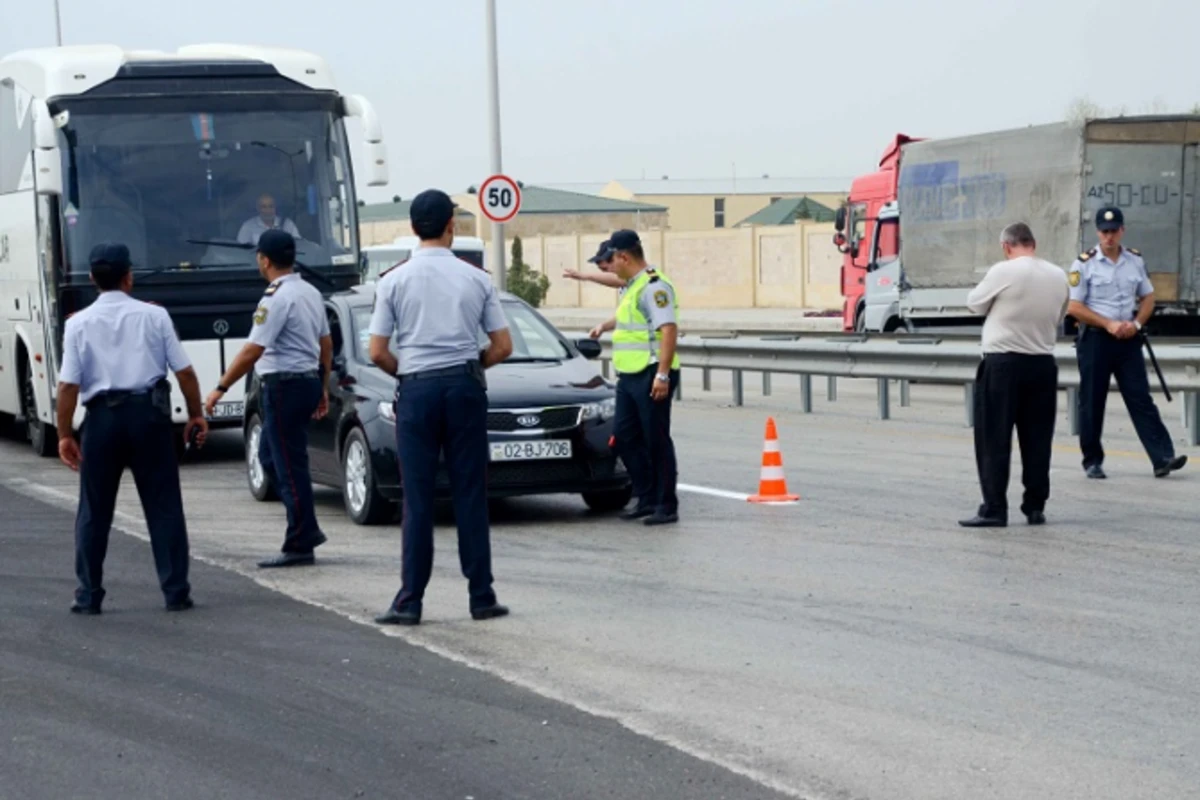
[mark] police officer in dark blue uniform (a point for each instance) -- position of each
(435, 305)
(1111, 299)
(291, 350)
(116, 353)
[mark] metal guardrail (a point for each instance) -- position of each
(926, 359)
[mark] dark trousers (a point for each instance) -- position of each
(288, 406)
(447, 414)
(137, 436)
(1101, 356)
(643, 437)
(1021, 391)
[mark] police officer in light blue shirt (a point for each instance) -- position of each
(291, 350)
(434, 306)
(1111, 299)
(116, 353)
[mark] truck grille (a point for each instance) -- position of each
(545, 419)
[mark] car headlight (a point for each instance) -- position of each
(605, 409)
(387, 411)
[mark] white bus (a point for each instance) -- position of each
(379, 258)
(171, 154)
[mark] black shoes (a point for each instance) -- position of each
(1095, 472)
(87, 611)
(1173, 465)
(412, 616)
(288, 560)
(395, 616)
(1036, 517)
(661, 519)
(980, 521)
(489, 612)
(639, 512)
(185, 604)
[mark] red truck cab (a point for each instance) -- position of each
(855, 225)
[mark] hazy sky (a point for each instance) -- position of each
(592, 91)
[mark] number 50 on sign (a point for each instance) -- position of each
(500, 198)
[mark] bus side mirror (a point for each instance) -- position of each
(377, 166)
(839, 220)
(46, 168)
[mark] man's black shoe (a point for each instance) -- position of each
(288, 560)
(638, 513)
(979, 521)
(395, 616)
(1036, 517)
(489, 612)
(1171, 466)
(1096, 473)
(661, 519)
(87, 611)
(183, 605)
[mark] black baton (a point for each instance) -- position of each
(1154, 361)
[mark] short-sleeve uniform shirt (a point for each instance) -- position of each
(434, 307)
(1111, 289)
(289, 323)
(119, 344)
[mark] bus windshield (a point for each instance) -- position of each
(184, 189)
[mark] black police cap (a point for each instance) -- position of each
(1109, 218)
(624, 240)
(110, 256)
(278, 246)
(603, 253)
(432, 208)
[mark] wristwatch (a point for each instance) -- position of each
(662, 377)
(222, 389)
(1137, 324)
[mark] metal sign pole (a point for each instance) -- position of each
(58, 23)
(497, 259)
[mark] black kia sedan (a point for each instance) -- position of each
(550, 419)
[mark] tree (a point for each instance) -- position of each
(523, 280)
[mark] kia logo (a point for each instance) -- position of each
(220, 327)
(528, 420)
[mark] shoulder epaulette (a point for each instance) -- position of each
(272, 289)
(1087, 255)
(392, 267)
(1136, 252)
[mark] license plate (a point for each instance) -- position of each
(226, 410)
(531, 451)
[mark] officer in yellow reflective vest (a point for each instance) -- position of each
(644, 335)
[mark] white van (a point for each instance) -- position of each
(380, 257)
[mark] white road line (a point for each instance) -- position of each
(689, 487)
(135, 527)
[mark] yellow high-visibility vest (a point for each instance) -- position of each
(635, 343)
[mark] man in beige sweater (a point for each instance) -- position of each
(1025, 300)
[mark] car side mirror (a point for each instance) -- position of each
(588, 348)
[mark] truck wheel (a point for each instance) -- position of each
(41, 436)
(611, 500)
(364, 503)
(259, 479)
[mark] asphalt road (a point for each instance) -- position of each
(255, 695)
(856, 644)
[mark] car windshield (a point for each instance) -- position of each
(533, 339)
(178, 188)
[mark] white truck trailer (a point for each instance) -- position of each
(169, 153)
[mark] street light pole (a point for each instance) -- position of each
(58, 23)
(494, 135)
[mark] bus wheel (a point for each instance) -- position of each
(41, 436)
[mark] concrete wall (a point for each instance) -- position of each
(526, 225)
(386, 231)
(791, 266)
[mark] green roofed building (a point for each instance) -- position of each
(788, 211)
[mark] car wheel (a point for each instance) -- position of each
(611, 500)
(40, 435)
(262, 485)
(364, 504)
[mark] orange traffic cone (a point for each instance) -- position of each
(772, 488)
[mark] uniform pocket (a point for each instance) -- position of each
(1104, 288)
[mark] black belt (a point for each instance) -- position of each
(441, 372)
(116, 397)
(276, 377)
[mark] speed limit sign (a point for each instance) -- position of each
(500, 198)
